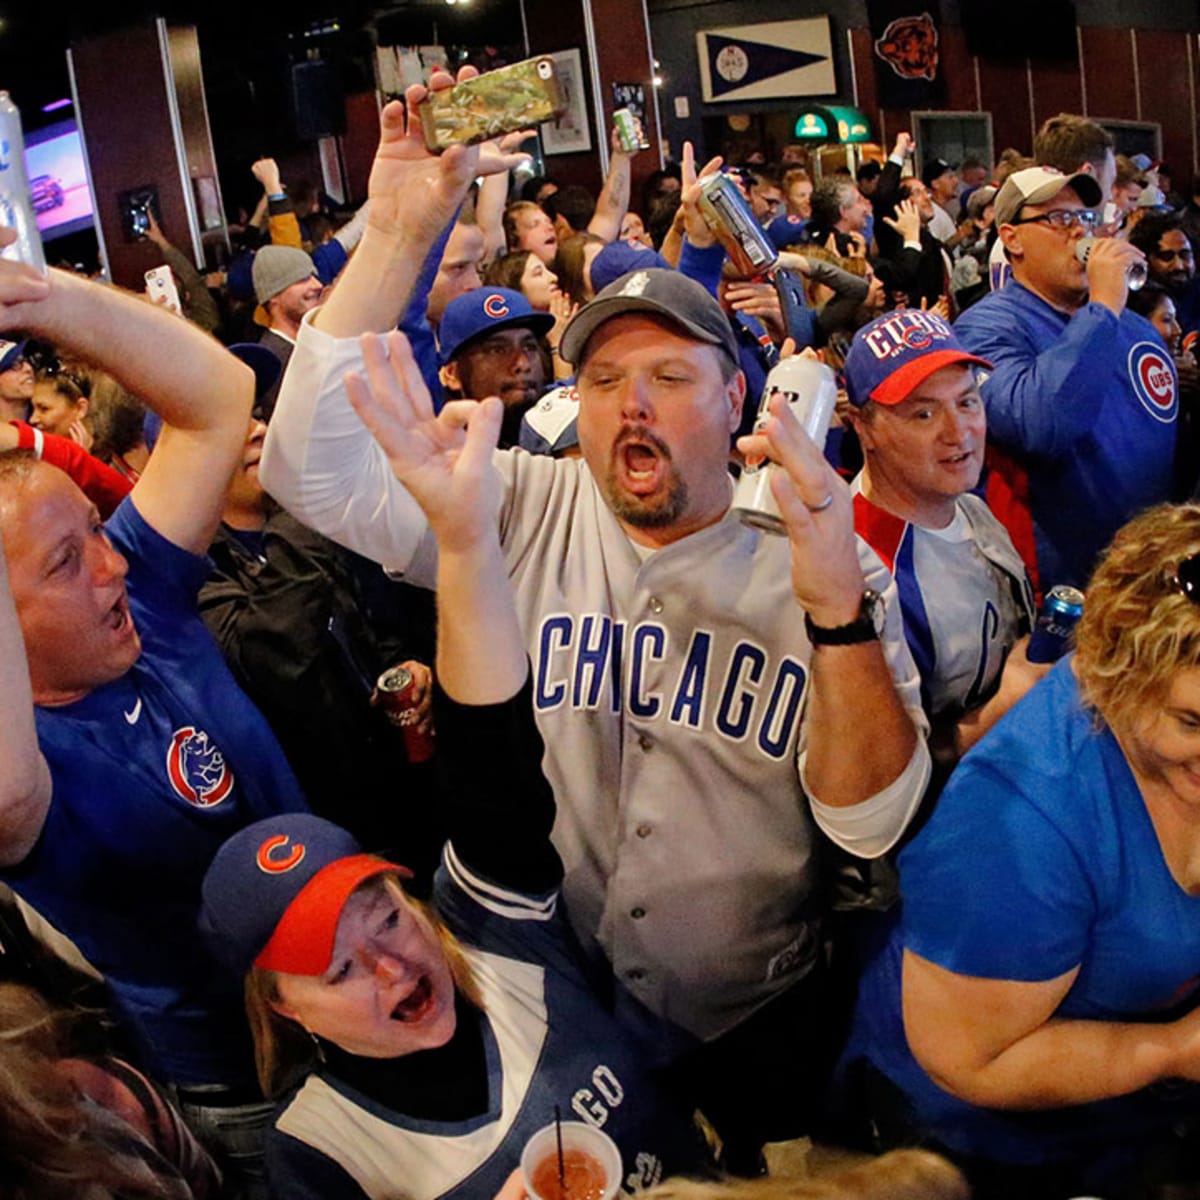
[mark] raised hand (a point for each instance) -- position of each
(444, 461)
(816, 506)
(695, 226)
(20, 286)
(413, 192)
(907, 221)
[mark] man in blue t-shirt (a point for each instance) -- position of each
(130, 753)
(1083, 402)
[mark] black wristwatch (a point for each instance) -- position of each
(866, 627)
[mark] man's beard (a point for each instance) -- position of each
(646, 512)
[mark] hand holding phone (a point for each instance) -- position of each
(515, 97)
(161, 289)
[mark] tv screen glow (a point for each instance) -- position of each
(58, 186)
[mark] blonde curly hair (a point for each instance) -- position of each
(1138, 629)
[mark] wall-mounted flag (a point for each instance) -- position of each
(767, 61)
(906, 51)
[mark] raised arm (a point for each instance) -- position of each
(25, 779)
(613, 201)
(861, 742)
(202, 392)
(413, 196)
(501, 827)
(445, 464)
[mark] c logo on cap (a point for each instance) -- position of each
(274, 865)
(495, 306)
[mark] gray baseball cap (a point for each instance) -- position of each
(661, 292)
(1036, 185)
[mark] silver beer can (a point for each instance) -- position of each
(810, 390)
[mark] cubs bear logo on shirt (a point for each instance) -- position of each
(197, 769)
(1153, 376)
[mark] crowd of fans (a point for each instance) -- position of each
(727, 836)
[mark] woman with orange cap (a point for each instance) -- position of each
(429, 1043)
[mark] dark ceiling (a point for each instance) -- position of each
(247, 50)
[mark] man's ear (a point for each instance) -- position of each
(861, 427)
(449, 377)
(1010, 235)
(735, 392)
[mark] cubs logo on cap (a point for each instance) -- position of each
(895, 353)
(495, 306)
(275, 892)
(274, 859)
(483, 311)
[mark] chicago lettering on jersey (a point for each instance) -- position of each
(589, 661)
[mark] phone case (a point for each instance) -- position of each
(160, 282)
(519, 96)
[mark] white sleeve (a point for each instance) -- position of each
(322, 464)
(872, 827)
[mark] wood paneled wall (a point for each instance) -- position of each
(1122, 74)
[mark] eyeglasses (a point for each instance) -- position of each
(1065, 218)
(1186, 579)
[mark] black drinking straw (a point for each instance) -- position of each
(562, 1176)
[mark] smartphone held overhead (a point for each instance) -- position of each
(518, 96)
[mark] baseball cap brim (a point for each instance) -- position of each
(541, 323)
(302, 943)
(901, 383)
(593, 314)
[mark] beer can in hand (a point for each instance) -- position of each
(628, 133)
(396, 687)
(728, 215)
(1056, 623)
(810, 390)
(16, 207)
(1135, 273)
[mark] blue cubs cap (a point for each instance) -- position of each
(897, 352)
(482, 311)
(275, 891)
(785, 231)
(619, 258)
(659, 292)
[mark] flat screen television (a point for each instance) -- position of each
(58, 183)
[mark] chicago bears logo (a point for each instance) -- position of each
(273, 863)
(197, 769)
(1153, 379)
(495, 307)
(910, 47)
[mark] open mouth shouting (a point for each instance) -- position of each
(641, 460)
(418, 1004)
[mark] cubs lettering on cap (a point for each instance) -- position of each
(276, 864)
(897, 352)
(495, 306)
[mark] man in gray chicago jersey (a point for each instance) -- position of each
(705, 691)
